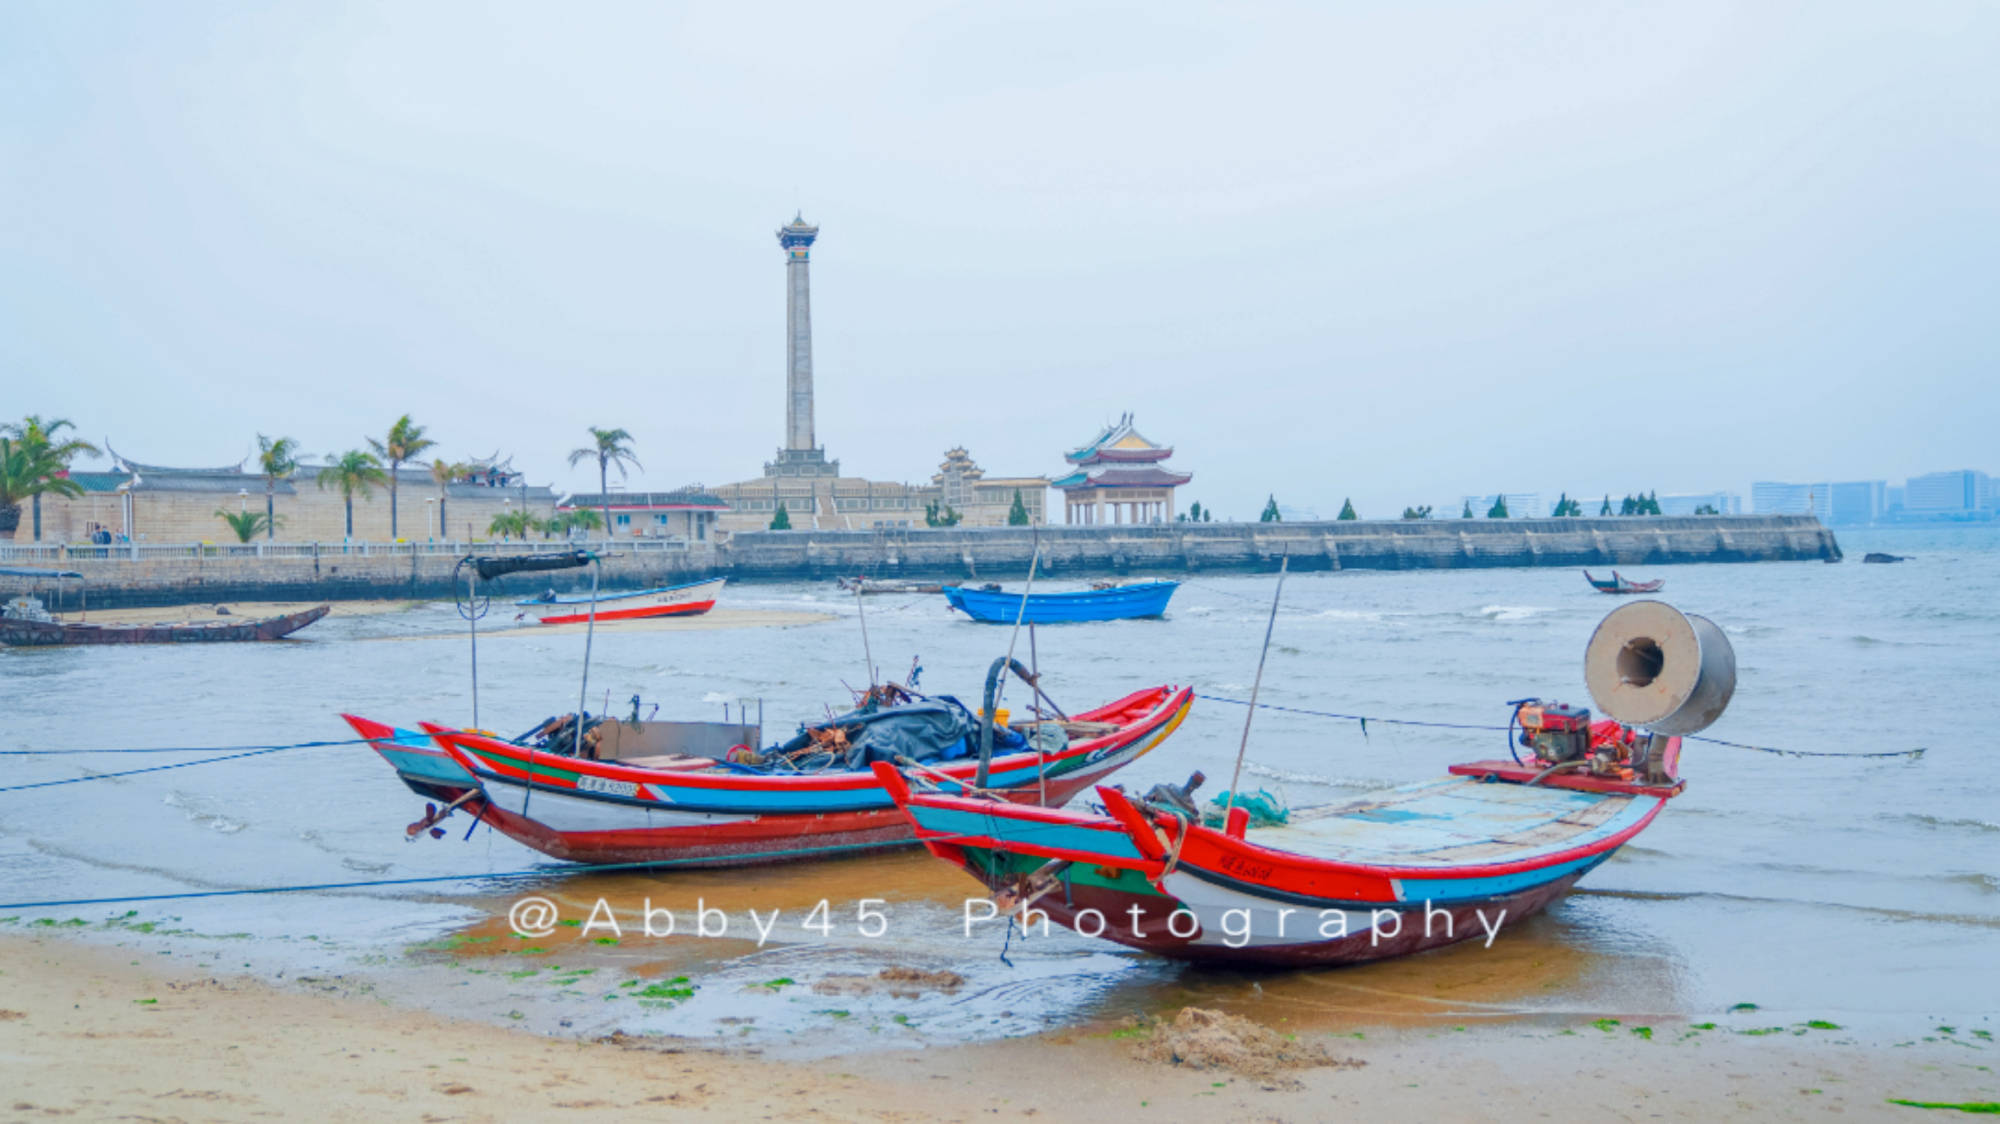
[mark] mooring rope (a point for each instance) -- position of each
(1364, 719)
(164, 768)
(531, 872)
(174, 749)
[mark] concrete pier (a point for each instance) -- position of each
(977, 554)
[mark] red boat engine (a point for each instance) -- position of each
(1556, 732)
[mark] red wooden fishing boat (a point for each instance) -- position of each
(1388, 874)
(1619, 584)
(696, 809)
(690, 599)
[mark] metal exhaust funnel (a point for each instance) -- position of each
(1651, 665)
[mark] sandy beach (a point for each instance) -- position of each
(102, 1032)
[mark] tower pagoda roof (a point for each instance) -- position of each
(1119, 442)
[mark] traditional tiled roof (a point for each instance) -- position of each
(1119, 442)
(1122, 476)
(124, 463)
(686, 500)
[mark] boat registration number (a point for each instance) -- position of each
(588, 783)
(1243, 868)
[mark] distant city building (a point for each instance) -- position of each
(1859, 501)
(1117, 478)
(809, 486)
(1687, 503)
(1520, 505)
(1894, 497)
(1941, 493)
(1772, 498)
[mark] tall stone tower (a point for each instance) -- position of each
(800, 455)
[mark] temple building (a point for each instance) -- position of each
(144, 502)
(809, 486)
(1117, 478)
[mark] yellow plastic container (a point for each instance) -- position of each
(999, 716)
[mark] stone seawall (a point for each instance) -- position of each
(996, 554)
(1002, 553)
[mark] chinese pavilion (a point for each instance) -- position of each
(1118, 478)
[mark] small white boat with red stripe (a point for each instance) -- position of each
(687, 600)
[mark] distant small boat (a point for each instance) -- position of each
(889, 585)
(26, 632)
(1619, 584)
(1140, 599)
(688, 600)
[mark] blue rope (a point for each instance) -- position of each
(173, 749)
(163, 768)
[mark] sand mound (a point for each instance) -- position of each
(1204, 1039)
(898, 980)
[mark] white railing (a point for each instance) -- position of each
(146, 551)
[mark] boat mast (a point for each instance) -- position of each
(1256, 684)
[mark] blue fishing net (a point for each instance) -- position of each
(1265, 809)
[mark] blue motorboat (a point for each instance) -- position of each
(1113, 603)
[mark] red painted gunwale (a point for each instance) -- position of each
(1139, 714)
(683, 609)
(1235, 859)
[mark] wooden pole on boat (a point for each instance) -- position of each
(1256, 684)
(472, 625)
(1035, 702)
(867, 653)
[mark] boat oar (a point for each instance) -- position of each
(1256, 684)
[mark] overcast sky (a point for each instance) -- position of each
(1398, 252)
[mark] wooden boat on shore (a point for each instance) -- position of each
(1388, 874)
(1391, 873)
(28, 632)
(683, 793)
(689, 599)
(1619, 584)
(1117, 603)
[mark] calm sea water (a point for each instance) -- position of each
(1866, 891)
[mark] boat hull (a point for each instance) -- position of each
(1125, 602)
(427, 770)
(1237, 928)
(1151, 881)
(692, 599)
(602, 812)
(43, 634)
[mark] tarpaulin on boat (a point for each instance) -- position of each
(929, 730)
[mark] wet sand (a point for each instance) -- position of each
(101, 1033)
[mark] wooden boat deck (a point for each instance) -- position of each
(1449, 822)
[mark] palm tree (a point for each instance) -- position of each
(39, 432)
(355, 470)
(277, 459)
(607, 447)
(406, 441)
(445, 473)
(563, 522)
(246, 524)
(507, 524)
(27, 469)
